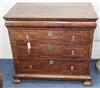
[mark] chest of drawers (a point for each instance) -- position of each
(51, 41)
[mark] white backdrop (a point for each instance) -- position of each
(6, 5)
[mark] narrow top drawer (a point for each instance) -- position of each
(50, 24)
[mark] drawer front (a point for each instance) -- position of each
(51, 66)
(52, 50)
(51, 36)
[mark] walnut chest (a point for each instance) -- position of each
(51, 41)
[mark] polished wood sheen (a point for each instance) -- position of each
(52, 11)
(51, 41)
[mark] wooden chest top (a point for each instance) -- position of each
(52, 12)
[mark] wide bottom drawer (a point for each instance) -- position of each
(49, 66)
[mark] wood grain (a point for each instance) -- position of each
(50, 24)
(52, 11)
(51, 41)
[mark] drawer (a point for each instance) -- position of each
(52, 50)
(50, 66)
(51, 36)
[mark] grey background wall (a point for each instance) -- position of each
(6, 5)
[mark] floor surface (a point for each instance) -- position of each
(8, 71)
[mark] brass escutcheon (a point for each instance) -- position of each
(51, 62)
(50, 46)
(50, 33)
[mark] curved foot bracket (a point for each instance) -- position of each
(88, 82)
(17, 81)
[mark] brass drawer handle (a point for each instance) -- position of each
(51, 62)
(27, 36)
(28, 44)
(50, 46)
(72, 52)
(30, 67)
(50, 33)
(72, 68)
(73, 37)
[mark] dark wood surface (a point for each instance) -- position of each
(51, 11)
(57, 51)
(52, 40)
(59, 35)
(51, 24)
(1, 81)
(60, 67)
